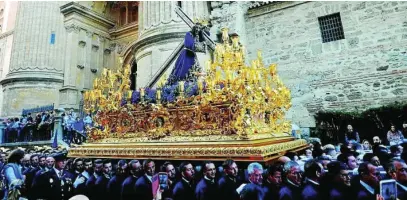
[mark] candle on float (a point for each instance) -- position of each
(200, 85)
(181, 86)
(129, 94)
(142, 92)
(158, 93)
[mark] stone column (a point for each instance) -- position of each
(35, 74)
(69, 91)
(161, 31)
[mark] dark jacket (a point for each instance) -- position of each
(227, 188)
(271, 191)
(128, 191)
(206, 190)
(114, 186)
(290, 192)
(144, 190)
(184, 191)
(311, 191)
(54, 187)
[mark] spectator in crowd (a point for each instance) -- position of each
(324, 160)
(394, 136)
(370, 157)
(369, 181)
(340, 187)
(313, 172)
(397, 169)
(395, 151)
(366, 145)
(350, 160)
(351, 135)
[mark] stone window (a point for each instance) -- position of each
(331, 27)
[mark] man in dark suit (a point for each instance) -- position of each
(102, 181)
(143, 184)
(273, 181)
(127, 191)
(367, 187)
(38, 181)
(313, 173)
(77, 167)
(57, 182)
(81, 179)
(207, 189)
(228, 184)
(91, 190)
(397, 170)
(30, 173)
(185, 188)
(337, 182)
(115, 184)
(292, 184)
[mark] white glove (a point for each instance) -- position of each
(78, 181)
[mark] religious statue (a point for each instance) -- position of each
(187, 65)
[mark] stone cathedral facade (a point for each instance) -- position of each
(332, 55)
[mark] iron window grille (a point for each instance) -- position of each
(331, 27)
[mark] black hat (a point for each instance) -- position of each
(59, 157)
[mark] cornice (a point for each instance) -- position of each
(128, 28)
(35, 76)
(72, 8)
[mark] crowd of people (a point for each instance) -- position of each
(40, 128)
(351, 170)
(27, 128)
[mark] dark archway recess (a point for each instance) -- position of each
(133, 75)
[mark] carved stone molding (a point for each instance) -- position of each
(95, 48)
(89, 33)
(119, 48)
(72, 28)
(112, 46)
(107, 52)
(82, 43)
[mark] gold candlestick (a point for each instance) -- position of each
(158, 94)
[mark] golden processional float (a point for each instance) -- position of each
(233, 111)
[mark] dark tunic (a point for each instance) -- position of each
(90, 187)
(128, 191)
(206, 190)
(290, 192)
(144, 190)
(81, 188)
(227, 188)
(271, 191)
(100, 187)
(114, 186)
(184, 191)
(311, 191)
